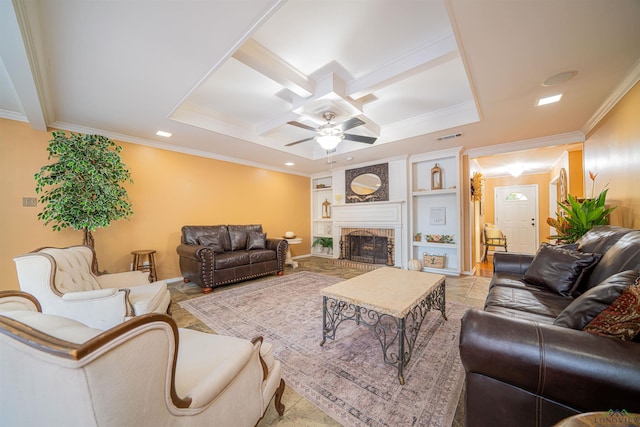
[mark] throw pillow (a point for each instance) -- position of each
(583, 309)
(559, 269)
(213, 241)
(238, 239)
(621, 319)
(256, 240)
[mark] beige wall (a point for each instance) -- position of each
(169, 190)
(612, 150)
(542, 180)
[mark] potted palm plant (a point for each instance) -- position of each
(82, 188)
(576, 217)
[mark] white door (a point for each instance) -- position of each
(516, 214)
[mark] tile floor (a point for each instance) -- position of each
(300, 412)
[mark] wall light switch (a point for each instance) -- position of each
(29, 201)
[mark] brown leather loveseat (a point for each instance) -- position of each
(527, 360)
(216, 255)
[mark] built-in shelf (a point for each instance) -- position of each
(321, 227)
(437, 211)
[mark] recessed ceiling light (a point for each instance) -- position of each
(289, 164)
(549, 100)
(349, 159)
(163, 133)
(560, 78)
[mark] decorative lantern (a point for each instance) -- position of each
(326, 209)
(436, 178)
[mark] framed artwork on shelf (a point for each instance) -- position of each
(438, 216)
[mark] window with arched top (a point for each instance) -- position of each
(515, 197)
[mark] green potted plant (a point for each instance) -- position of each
(82, 188)
(326, 244)
(579, 216)
(417, 237)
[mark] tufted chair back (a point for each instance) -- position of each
(72, 269)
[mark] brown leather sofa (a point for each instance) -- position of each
(216, 255)
(527, 360)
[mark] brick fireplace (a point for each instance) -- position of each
(370, 234)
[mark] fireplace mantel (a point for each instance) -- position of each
(368, 214)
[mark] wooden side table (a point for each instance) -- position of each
(289, 260)
(144, 260)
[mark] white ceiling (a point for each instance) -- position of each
(225, 76)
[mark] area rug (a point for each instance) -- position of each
(346, 378)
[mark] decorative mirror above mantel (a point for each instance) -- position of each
(367, 184)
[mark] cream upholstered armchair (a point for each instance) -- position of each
(63, 282)
(143, 372)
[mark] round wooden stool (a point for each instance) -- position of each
(143, 260)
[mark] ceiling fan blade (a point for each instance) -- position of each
(302, 125)
(360, 138)
(298, 142)
(350, 124)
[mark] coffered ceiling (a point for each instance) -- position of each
(226, 76)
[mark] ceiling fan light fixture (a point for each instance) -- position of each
(329, 142)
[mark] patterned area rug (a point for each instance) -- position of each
(346, 378)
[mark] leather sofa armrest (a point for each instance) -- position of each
(506, 262)
(196, 252)
(280, 246)
(547, 360)
(276, 244)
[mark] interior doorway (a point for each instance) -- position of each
(516, 214)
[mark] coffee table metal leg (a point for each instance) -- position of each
(324, 320)
(334, 312)
(401, 362)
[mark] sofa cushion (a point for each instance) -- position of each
(621, 319)
(588, 305)
(213, 241)
(238, 239)
(558, 269)
(623, 255)
(514, 280)
(519, 314)
(599, 239)
(261, 255)
(256, 240)
(231, 259)
(545, 303)
(190, 234)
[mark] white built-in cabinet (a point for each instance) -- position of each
(436, 211)
(321, 222)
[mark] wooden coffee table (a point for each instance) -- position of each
(391, 302)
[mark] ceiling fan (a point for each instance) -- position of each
(329, 134)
